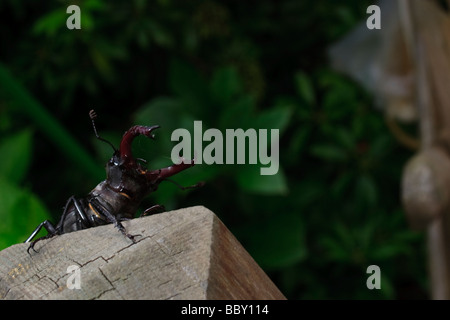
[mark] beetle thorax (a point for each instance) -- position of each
(127, 178)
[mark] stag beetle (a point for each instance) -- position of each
(118, 197)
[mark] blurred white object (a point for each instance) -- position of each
(380, 61)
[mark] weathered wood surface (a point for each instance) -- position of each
(182, 254)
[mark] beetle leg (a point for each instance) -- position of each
(50, 229)
(47, 225)
(157, 208)
(124, 232)
(79, 210)
(112, 219)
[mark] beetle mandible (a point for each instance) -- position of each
(118, 197)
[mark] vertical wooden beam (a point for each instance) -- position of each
(426, 179)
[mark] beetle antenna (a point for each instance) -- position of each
(93, 115)
(197, 185)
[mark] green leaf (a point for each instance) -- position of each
(250, 179)
(44, 120)
(380, 146)
(20, 213)
(329, 152)
(87, 20)
(189, 85)
(385, 252)
(334, 250)
(344, 138)
(94, 5)
(341, 184)
(305, 88)
(239, 114)
(160, 34)
(50, 23)
(298, 143)
(276, 242)
(340, 245)
(366, 190)
(311, 192)
(17, 154)
(101, 62)
(387, 287)
(225, 84)
(274, 118)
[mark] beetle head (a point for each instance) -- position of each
(125, 173)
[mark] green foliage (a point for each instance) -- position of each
(20, 209)
(276, 243)
(233, 108)
(22, 102)
(333, 208)
(18, 148)
(356, 188)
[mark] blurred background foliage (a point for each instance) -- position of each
(331, 211)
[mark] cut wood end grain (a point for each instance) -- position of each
(181, 254)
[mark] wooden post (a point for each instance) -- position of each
(426, 179)
(182, 254)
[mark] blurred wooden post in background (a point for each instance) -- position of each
(426, 178)
(182, 254)
(406, 65)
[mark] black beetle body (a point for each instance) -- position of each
(119, 196)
